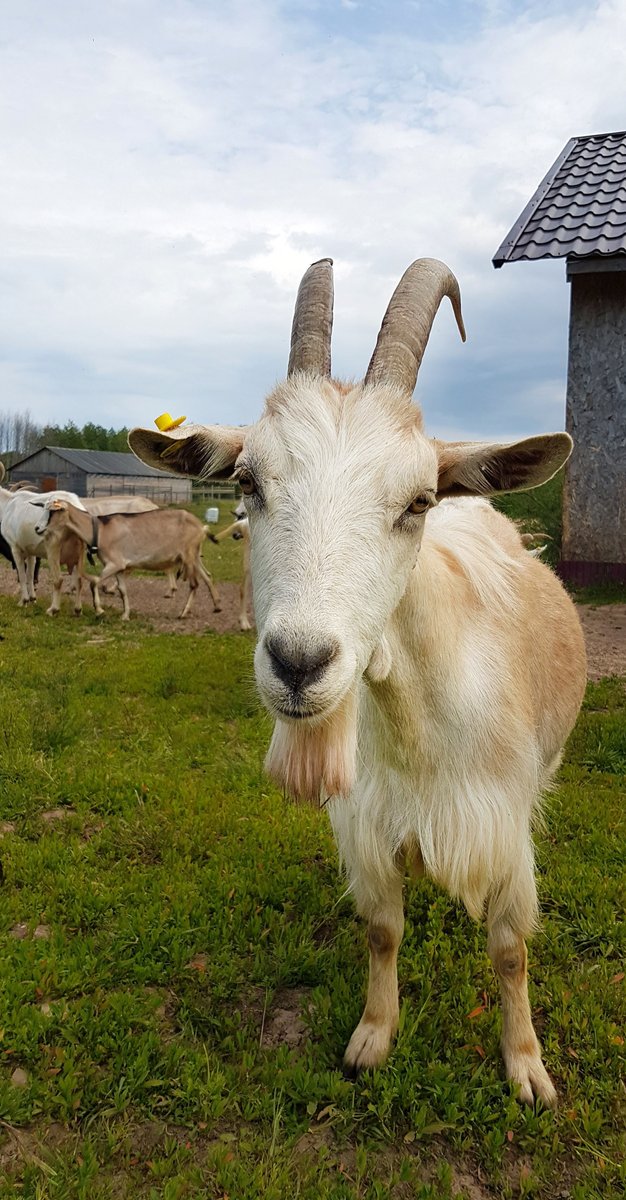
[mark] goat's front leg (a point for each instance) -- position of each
(193, 587)
(371, 1040)
(30, 576)
(520, 1048)
(56, 579)
(77, 576)
(22, 576)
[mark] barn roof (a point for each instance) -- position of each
(100, 462)
(579, 209)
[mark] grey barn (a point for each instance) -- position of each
(99, 473)
(579, 213)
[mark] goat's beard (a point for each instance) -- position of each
(313, 763)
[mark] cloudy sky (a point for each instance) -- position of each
(168, 169)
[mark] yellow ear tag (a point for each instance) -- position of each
(166, 422)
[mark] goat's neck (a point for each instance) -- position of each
(81, 524)
(423, 641)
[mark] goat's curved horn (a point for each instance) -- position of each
(313, 321)
(3, 471)
(408, 321)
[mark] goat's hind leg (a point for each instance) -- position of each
(371, 1040)
(215, 596)
(508, 925)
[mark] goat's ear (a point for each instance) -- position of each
(202, 451)
(483, 468)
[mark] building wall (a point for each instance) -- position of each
(47, 471)
(594, 502)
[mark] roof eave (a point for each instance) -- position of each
(505, 250)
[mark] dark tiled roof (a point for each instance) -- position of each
(101, 462)
(579, 208)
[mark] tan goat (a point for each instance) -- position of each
(148, 541)
(102, 506)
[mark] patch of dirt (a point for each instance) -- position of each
(280, 1021)
(147, 599)
(52, 815)
(604, 627)
(32, 1144)
(285, 1028)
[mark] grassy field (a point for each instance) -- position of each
(181, 970)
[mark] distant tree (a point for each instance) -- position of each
(95, 437)
(19, 435)
(118, 439)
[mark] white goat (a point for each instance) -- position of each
(423, 668)
(240, 531)
(23, 516)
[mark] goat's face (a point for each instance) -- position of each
(337, 484)
(52, 513)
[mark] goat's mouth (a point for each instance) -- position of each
(298, 712)
(301, 709)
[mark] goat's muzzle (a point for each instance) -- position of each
(297, 670)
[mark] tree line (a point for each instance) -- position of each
(20, 435)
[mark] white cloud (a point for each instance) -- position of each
(167, 172)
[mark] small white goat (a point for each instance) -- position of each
(423, 668)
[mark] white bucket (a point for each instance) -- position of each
(212, 516)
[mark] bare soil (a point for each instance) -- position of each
(147, 599)
(604, 626)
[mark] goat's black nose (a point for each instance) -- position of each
(299, 668)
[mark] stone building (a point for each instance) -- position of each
(579, 213)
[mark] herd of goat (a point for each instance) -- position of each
(126, 533)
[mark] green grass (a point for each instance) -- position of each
(188, 905)
(540, 510)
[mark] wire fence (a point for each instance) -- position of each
(170, 494)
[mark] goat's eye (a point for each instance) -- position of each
(247, 483)
(419, 505)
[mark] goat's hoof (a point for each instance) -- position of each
(245, 626)
(217, 608)
(368, 1047)
(52, 612)
(530, 1075)
(212, 538)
